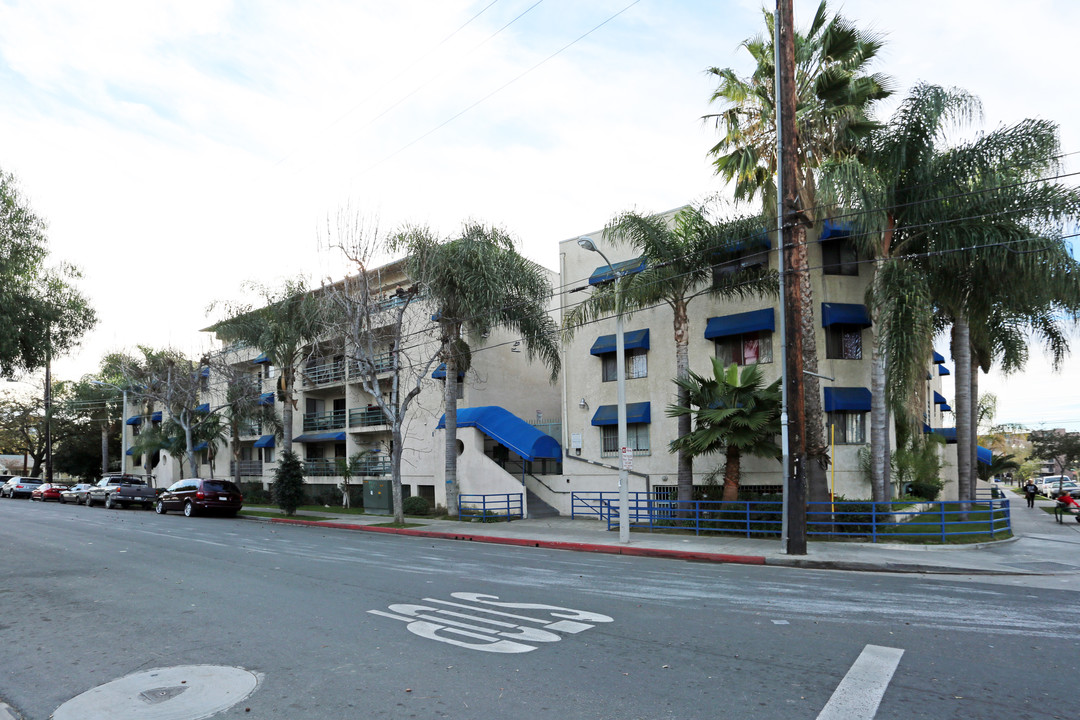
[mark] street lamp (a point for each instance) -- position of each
(123, 425)
(620, 375)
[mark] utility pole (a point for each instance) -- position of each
(794, 268)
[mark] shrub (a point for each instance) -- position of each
(289, 483)
(415, 505)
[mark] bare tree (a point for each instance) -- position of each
(387, 341)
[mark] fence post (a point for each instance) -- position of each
(873, 521)
(943, 533)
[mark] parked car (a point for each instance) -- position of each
(120, 491)
(47, 491)
(1049, 483)
(20, 487)
(75, 494)
(197, 495)
(1069, 487)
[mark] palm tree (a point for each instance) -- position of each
(941, 220)
(680, 254)
(282, 327)
(835, 94)
(477, 282)
(733, 412)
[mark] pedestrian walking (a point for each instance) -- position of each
(1029, 492)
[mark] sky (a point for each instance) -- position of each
(182, 150)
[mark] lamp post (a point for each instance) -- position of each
(620, 375)
(123, 424)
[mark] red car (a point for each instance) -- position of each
(47, 491)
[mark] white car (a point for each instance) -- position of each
(1049, 484)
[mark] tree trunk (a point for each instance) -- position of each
(817, 444)
(682, 371)
(731, 474)
(450, 446)
(235, 447)
(879, 419)
(104, 448)
(974, 420)
(961, 352)
(395, 473)
(193, 465)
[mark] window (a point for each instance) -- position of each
(267, 454)
(637, 365)
(839, 257)
(637, 438)
(849, 427)
(753, 257)
(843, 342)
(747, 349)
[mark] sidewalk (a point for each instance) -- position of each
(1040, 546)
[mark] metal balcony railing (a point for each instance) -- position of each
(383, 363)
(367, 417)
(322, 467)
(332, 372)
(248, 468)
(333, 420)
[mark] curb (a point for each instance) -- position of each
(549, 544)
(781, 561)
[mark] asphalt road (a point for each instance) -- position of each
(338, 624)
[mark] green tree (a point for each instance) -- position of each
(1060, 448)
(685, 257)
(835, 95)
(476, 282)
(1001, 464)
(733, 412)
(289, 483)
(41, 311)
(289, 319)
(941, 218)
(348, 468)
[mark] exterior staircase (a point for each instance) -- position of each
(537, 507)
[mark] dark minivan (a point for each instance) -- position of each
(196, 495)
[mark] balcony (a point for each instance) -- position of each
(367, 417)
(368, 467)
(383, 363)
(333, 420)
(250, 429)
(332, 372)
(248, 468)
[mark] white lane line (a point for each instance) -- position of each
(858, 695)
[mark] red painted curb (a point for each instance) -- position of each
(549, 544)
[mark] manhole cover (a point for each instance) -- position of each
(186, 692)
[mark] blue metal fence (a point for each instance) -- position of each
(876, 522)
(503, 506)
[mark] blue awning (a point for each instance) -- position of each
(638, 412)
(439, 373)
(832, 230)
(844, 314)
(603, 273)
(204, 408)
(134, 420)
(942, 370)
(261, 359)
(266, 398)
(156, 417)
(633, 340)
(938, 357)
(321, 437)
(948, 433)
(130, 451)
(266, 441)
(508, 430)
(739, 323)
(200, 446)
(945, 408)
(939, 399)
(847, 399)
(985, 455)
(204, 372)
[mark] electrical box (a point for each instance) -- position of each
(378, 497)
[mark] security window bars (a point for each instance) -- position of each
(843, 342)
(637, 365)
(848, 427)
(746, 349)
(637, 439)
